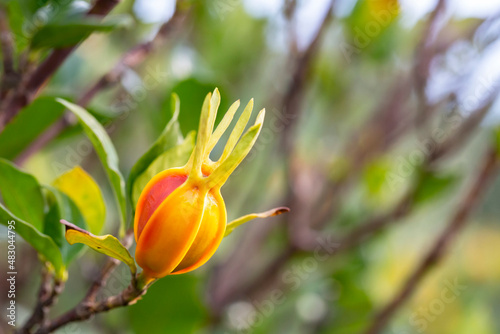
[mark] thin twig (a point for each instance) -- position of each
(443, 242)
(465, 129)
(10, 77)
(7, 43)
(84, 311)
(292, 99)
(423, 59)
(50, 289)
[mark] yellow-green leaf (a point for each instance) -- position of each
(242, 220)
(105, 244)
(85, 193)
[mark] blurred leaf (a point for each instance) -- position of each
(242, 45)
(21, 194)
(28, 125)
(496, 137)
(43, 244)
(370, 27)
(85, 193)
(368, 13)
(107, 154)
(374, 176)
(169, 138)
(432, 186)
(105, 244)
(192, 94)
(29, 7)
(354, 306)
(62, 207)
(170, 306)
(16, 20)
(242, 220)
(70, 32)
(177, 156)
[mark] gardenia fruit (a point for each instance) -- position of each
(180, 217)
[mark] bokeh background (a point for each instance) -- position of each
(361, 96)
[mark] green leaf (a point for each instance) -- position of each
(496, 137)
(85, 193)
(177, 156)
(43, 244)
(107, 154)
(30, 7)
(375, 175)
(16, 23)
(66, 33)
(242, 220)
(21, 194)
(432, 185)
(28, 125)
(105, 244)
(62, 207)
(169, 138)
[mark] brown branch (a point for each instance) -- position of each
(27, 92)
(53, 131)
(7, 43)
(426, 51)
(289, 10)
(10, 77)
(466, 128)
(292, 99)
(443, 242)
(84, 311)
(50, 289)
(131, 58)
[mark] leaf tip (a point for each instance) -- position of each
(261, 116)
(279, 211)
